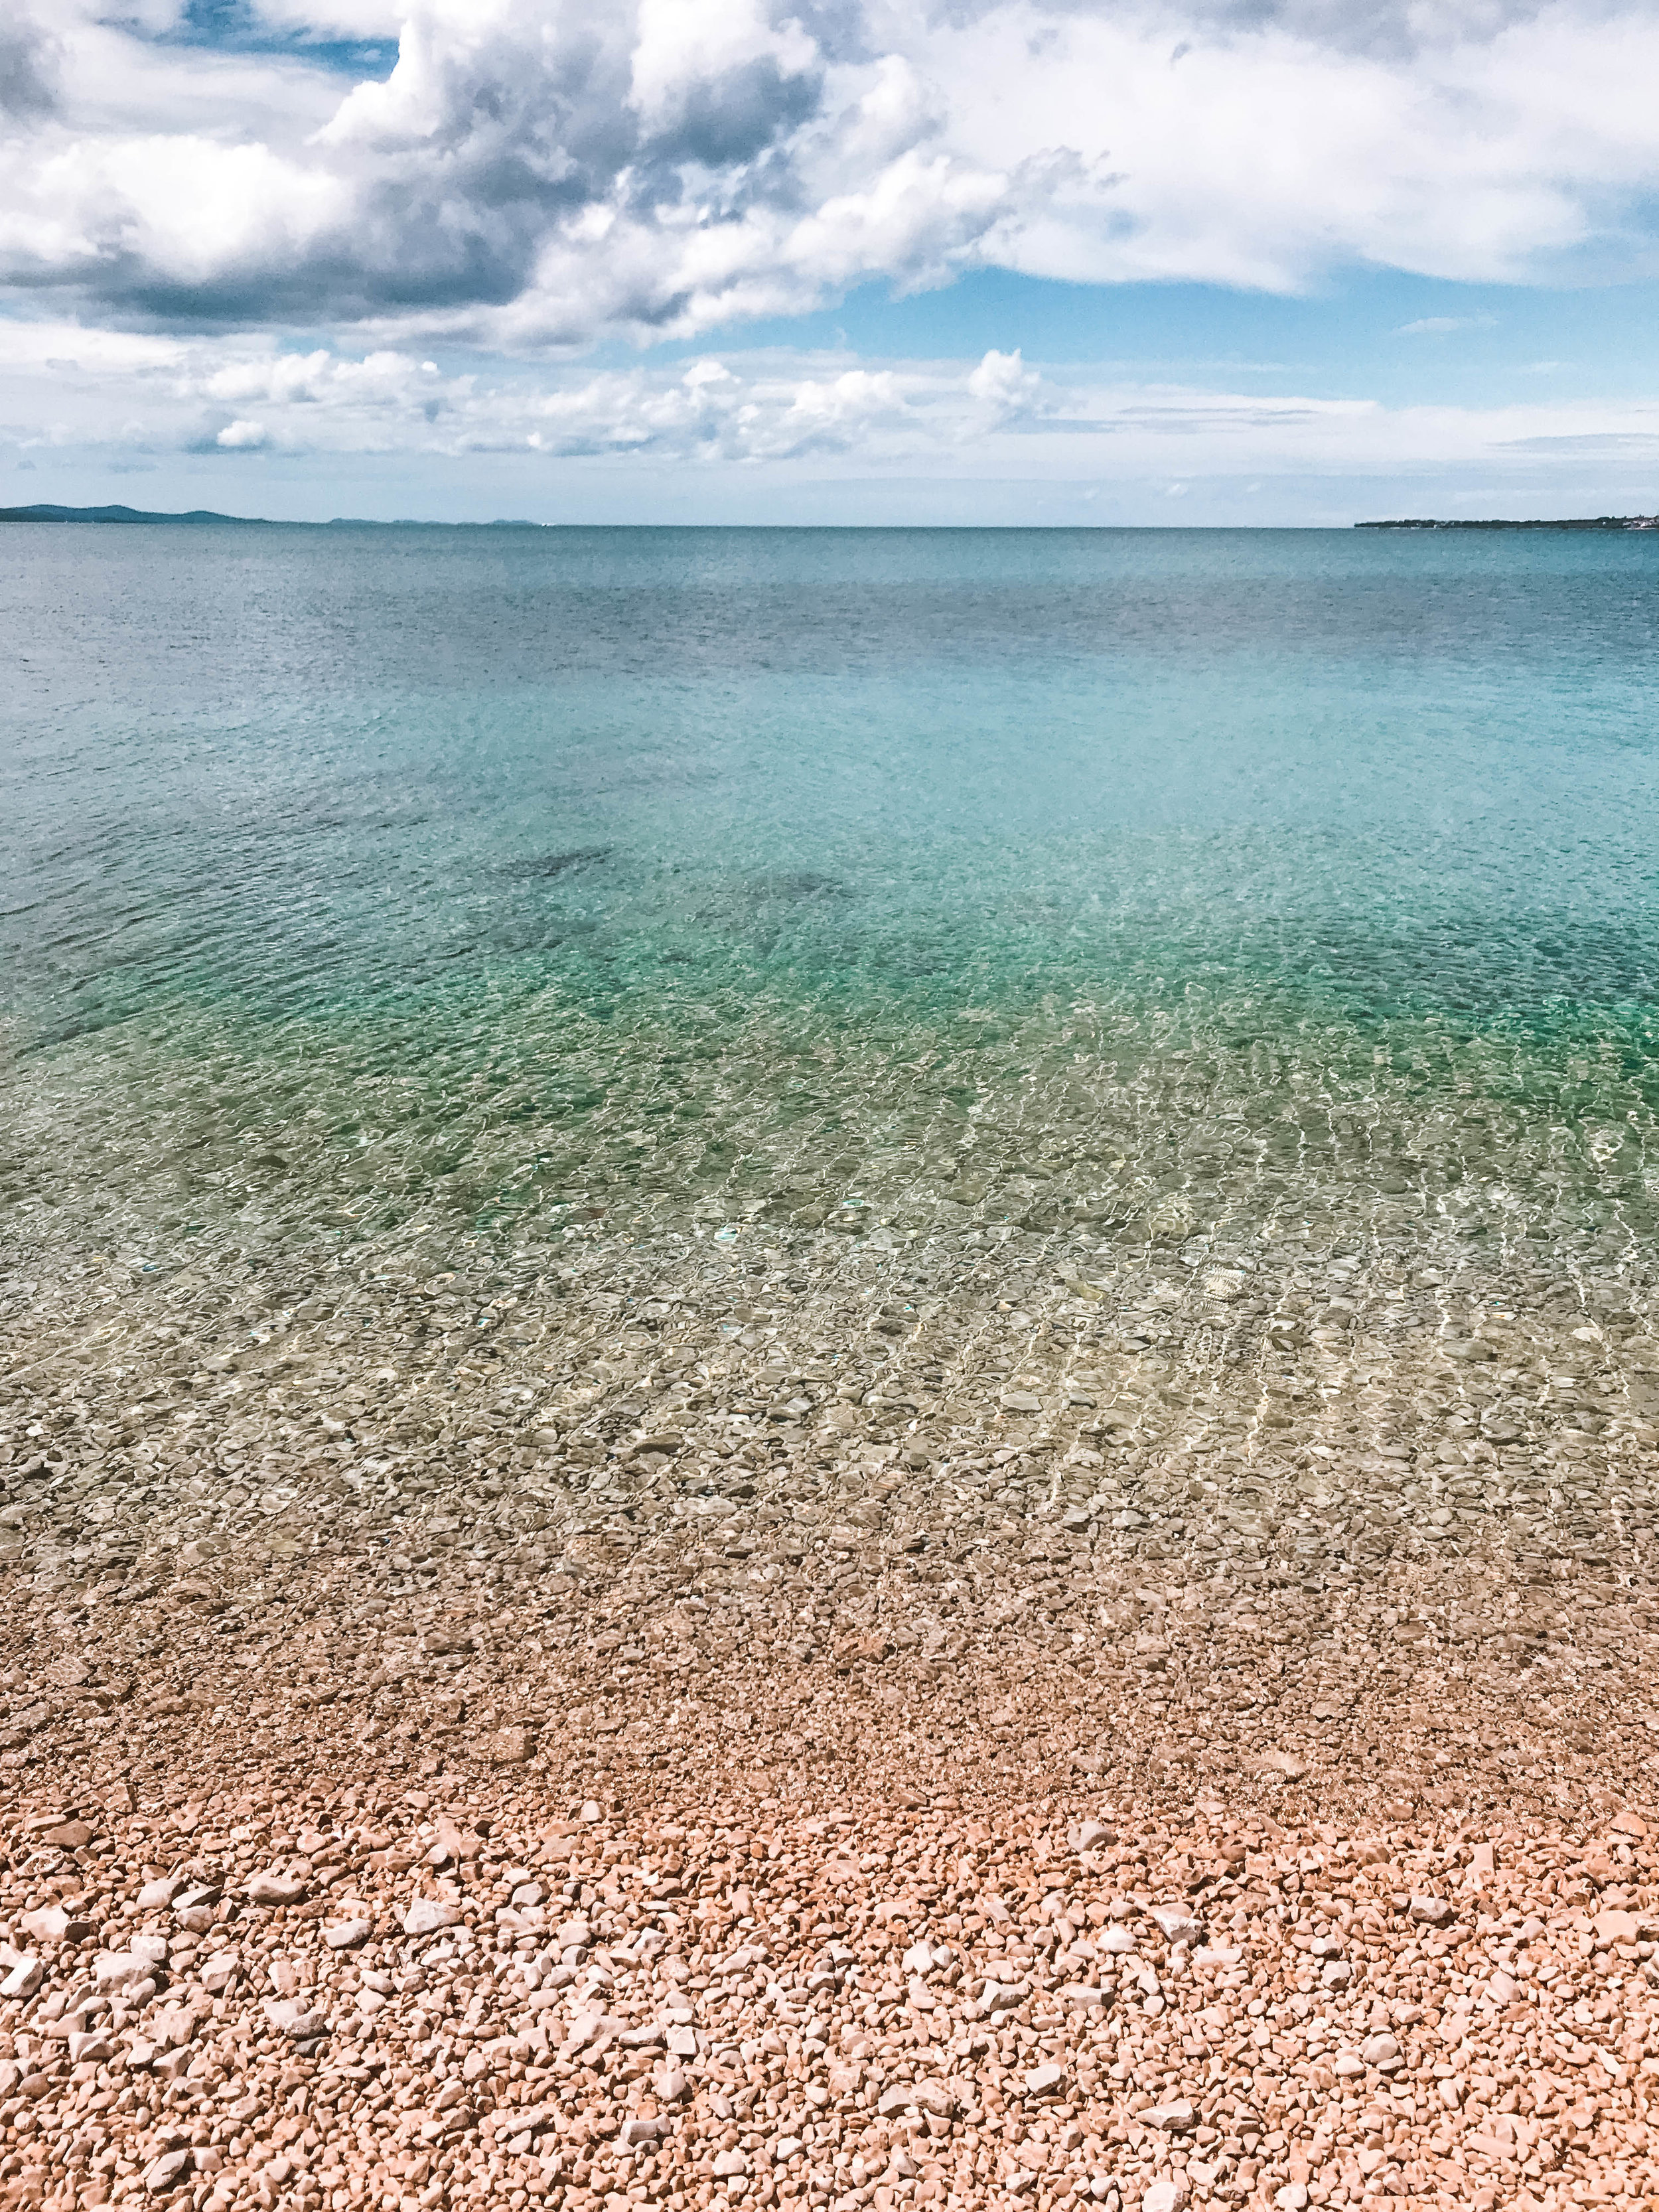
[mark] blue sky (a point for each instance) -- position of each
(1406, 340)
(1285, 261)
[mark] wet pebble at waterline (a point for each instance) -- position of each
(684, 1480)
(783, 1537)
(1247, 1409)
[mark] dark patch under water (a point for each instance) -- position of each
(542, 867)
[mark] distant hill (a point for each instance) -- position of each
(202, 514)
(114, 514)
(1588, 522)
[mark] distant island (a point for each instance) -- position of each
(113, 514)
(1587, 522)
(202, 514)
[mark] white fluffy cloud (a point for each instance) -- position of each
(534, 173)
(244, 259)
(74, 391)
(68, 386)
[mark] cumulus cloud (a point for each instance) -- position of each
(1006, 390)
(135, 397)
(251, 253)
(28, 73)
(534, 173)
(234, 396)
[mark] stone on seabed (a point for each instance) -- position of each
(882, 1728)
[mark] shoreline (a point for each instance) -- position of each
(844, 1550)
(1584, 522)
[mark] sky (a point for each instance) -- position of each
(1239, 262)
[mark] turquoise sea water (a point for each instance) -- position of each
(365, 884)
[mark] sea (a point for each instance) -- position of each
(1075, 904)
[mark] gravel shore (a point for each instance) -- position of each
(809, 1722)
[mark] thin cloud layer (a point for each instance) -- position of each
(531, 177)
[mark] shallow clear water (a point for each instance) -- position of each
(368, 883)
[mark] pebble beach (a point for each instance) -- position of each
(789, 1723)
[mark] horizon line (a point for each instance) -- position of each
(116, 515)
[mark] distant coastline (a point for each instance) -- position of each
(202, 517)
(1585, 522)
(116, 514)
(199, 516)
